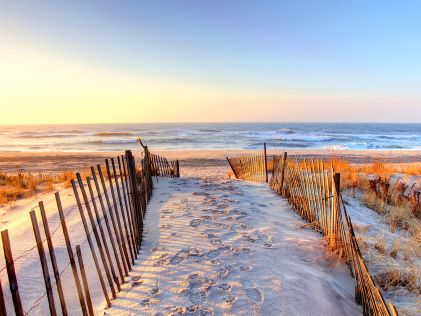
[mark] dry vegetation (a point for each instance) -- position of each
(23, 185)
(394, 192)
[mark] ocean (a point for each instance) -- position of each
(188, 136)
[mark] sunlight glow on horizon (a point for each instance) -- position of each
(43, 83)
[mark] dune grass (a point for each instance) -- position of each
(23, 185)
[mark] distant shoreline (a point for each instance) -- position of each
(72, 161)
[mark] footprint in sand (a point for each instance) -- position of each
(196, 222)
(162, 260)
(224, 286)
(254, 294)
(200, 194)
(155, 291)
(173, 310)
(216, 242)
(223, 272)
(249, 238)
(222, 293)
(245, 268)
(197, 310)
(217, 252)
(197, 297)
(136, 281)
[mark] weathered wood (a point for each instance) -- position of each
(266, 162)
(2, 304)
(91, 244)
(84, 280)
(107, 225)
(132, 203)
(102, 244)
(139, 203)
(127, 207)
(232, 168)
(53, 259)
(113, 221)
(120, 229)
(71, 256)
(129, 240)
(284, 163)
(44, 265)
(96, 235)
(314, 193)
(11, 273)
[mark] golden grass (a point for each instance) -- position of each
(388, 271)
(23, 185)
(396, 275)
(397, 264)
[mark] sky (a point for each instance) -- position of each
(221, 60)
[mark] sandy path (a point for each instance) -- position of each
(233, 248)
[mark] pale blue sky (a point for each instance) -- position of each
(362, 56)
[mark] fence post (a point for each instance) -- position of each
(123, 242)
(91, 245)
(44, 264)
(130, 241)
(70, 253)
(13, 282)
(128, 206)
(232, 168)
(116, 231)
(2, 304)
(284, 161)
(101, 230)
(96, 235)
(266, 162)
(177, 163)
(130, 199)
(107, 224)
(84, 280)
(53, 259)
(337, 183)
(136, 202)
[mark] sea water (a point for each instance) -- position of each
(188, 136)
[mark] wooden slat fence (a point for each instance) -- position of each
(112, 205)
(250, 167)
(160, 166)
(313, 190)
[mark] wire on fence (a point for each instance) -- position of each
(136, 185)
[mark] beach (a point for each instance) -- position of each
(47, 162)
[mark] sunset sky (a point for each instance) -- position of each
(160, 61)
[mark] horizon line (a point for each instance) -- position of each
(212, 122)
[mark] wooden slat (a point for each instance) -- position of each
(2, 304)
(84, 280)
(113, 221)
(44, 265)
(116, 214)
(109, 230)
(90, 243)
(53, 259)
(129, 239)
(11, 273)
(70, 253)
